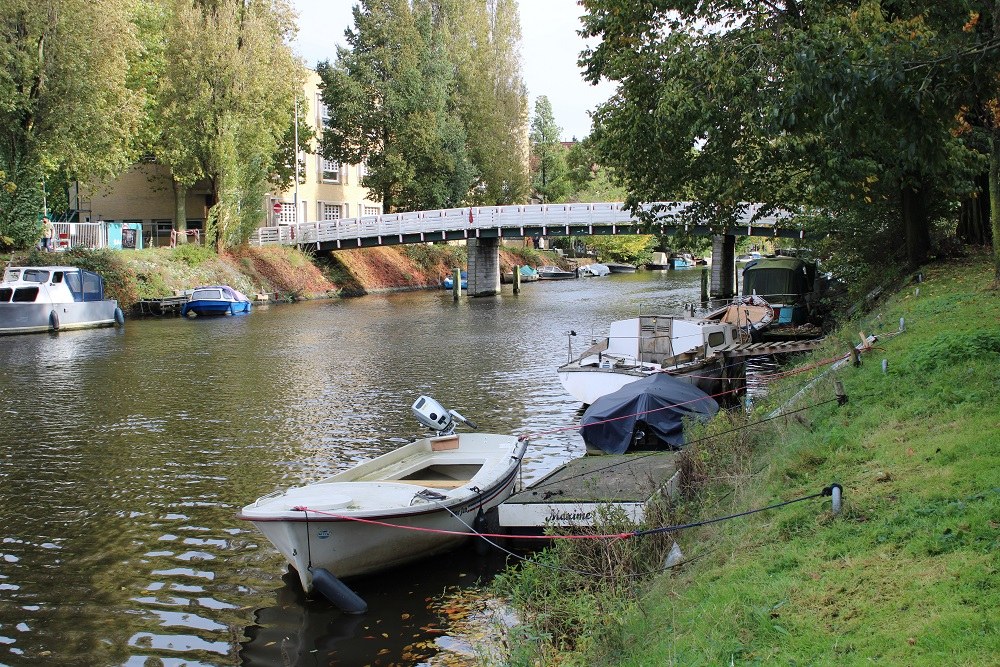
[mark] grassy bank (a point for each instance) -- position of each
(907, 574)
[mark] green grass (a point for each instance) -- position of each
(909, 572)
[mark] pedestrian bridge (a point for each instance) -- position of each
(483, 227)
(455, 224)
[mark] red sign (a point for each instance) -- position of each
(276, 208)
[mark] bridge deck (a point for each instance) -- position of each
(514, 222)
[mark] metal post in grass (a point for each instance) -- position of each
(836, 493)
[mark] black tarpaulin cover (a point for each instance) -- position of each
(655, 405)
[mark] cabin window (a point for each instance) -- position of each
(35, 276)
(207, 294)
(11, 275)
(25, 295)
(57, 277)
(716, 339)
(93, 287)
(5, 293)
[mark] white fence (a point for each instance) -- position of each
(431, 225)
(68, 235)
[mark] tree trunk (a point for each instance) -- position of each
(180, 212)
(974, 217)
(995, 199)
(916, 224)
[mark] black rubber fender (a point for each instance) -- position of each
(54, 320)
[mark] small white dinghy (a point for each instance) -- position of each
(384, 512)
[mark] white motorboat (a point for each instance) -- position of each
(416, 501)
(554, 273)
(593, 270)
(641, 346)
(36, 299)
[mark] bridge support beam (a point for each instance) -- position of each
(484, 266)
(723, 266)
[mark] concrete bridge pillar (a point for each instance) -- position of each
(484, 266)
(723, 266)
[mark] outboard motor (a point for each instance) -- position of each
(436, 417)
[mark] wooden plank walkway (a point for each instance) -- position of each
(572, 494)
(776, 347)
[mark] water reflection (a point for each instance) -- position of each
(125, 454)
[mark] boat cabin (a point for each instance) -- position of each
(785, 282)
(663, 340)
(50, 284)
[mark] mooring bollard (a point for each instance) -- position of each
(838, 388)
(902, 324)
(885, 366)
(835, 494)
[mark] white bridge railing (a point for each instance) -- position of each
(431, 225)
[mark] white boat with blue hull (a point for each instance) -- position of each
(416, 501)
(38, 299)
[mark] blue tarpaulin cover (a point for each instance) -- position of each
(656, 405)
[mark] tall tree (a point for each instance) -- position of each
(482, 40)
(225, 105)
(388, 96)
(65, 102)
(550, 175)
(846, 106)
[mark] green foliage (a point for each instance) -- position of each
(482, 41)
(413, 140)
(65, 100)
(951, 348)
(627, 248)
(549, 173)
(847, 108)
(224, 89)
(192, 254)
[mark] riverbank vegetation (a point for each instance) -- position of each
(907, 573)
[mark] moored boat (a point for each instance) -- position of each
(35, 299)
(449, 281)
(554, 273)
(216, 300)
(415, 501)
(618, 267)
(646, 414)
(638, 347)
(659, 262)
(593, 270)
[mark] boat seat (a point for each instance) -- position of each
(434, 483)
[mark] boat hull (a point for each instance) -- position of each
(207, 307)
(362, 526)
(23, 318)
(587, 384)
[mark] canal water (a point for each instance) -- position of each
(125, 455)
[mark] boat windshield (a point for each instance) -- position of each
(207, 294)
(35, 276)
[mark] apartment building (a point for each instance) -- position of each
(144, 194)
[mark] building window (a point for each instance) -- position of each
(362, 171)
(287, 215)
(329, 170)
(372, 210)
(329, 212)
(322, 111)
